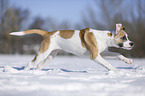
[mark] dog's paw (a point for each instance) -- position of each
(128, 61)
(113, 70)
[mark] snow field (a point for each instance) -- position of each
(70, 76)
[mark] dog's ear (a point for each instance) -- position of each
(118, 28)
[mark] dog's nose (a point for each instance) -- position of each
(131, 44)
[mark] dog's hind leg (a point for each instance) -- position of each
(31, 64)
(48, 59)
(46, 48)
(39, 58)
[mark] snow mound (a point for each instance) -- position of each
(9, 69)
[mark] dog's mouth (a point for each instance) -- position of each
(123, 47)
(127, 48)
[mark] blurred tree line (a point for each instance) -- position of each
(103, 15)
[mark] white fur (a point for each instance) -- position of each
(21, 33)
(129, 61)
(72, 45)
(126, 44)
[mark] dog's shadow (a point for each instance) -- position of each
(126, 67)
(64, 70)
(19, 68)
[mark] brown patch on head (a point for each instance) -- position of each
(120, 34)
(66, 34)
(109, 34)
(118, 41)
(88, 41)
(118, 37)
(46, 42)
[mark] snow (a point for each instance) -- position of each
(70, 76)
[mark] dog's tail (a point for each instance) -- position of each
(33, 31)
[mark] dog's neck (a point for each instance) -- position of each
(110, 41)
(106, 39)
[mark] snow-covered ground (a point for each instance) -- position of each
(70, 76)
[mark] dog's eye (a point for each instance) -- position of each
(123, 28)
(124, 38)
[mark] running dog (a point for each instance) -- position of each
(79, 42)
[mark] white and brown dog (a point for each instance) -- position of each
(79, 42)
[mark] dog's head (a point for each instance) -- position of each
(121, 38)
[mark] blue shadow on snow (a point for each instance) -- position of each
(64, 70)
(126, 68)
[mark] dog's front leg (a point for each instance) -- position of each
(126, 60)
(117, 55)
(104, 63)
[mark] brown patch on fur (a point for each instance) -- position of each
(35, 58)
(118, 41)
(120, 34)
(66, 34)
(89, 42)
(91, 45)
(109, 34)
(82, 34)
(46, 42)
(36, 31)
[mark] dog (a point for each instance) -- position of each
(80, 42)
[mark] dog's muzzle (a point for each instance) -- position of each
(127, 46)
